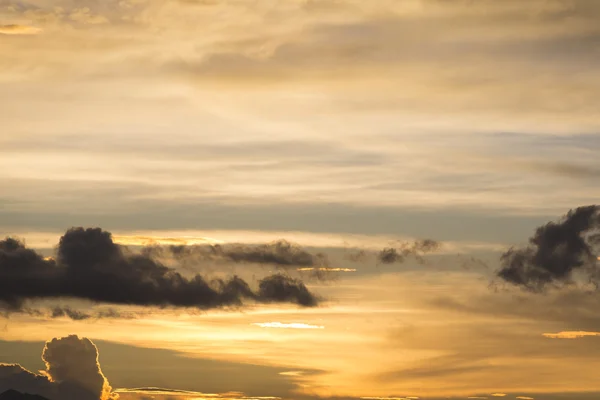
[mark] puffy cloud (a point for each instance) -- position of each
(89, 265)
(72, 373)
(555, 252)
(283, 289)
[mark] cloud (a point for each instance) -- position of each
(287, 326)
(328, 269)
(14, 29)
(280, 253)
(85, 16)
(555, 252)
(69, 312)
(357, 256)
(283, 289)
(570, 334)
(152, 392)
(72, 373)
(89, 265)
(416, 249)
(139, 240)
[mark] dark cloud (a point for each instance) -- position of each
(280, 253)
(282, 289)
(389, 255)
(416, 249)
(90, 266)
(556, 251)
(72, 373)
(69, 312)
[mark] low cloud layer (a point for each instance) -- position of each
(556, 252)
(90, 266)
(72, 373)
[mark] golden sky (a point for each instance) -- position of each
(345, 127)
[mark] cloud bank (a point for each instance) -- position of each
(72, 373)
(90, 266)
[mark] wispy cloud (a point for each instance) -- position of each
(391, 398)
(324, 269)
(169, 241)
(292, 373)
(570, 334)
(15, 29)
(191, 395)
(287, 325)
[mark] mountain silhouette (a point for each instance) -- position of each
(14, 395)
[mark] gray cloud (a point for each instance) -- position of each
(556, 251)
(72, 373)
(280, 253)
(69, 312)
(89, 265)
(416, 249)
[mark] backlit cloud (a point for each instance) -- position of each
(570, 334)
(556, 252)
(281, 325)
(72, 373)
(19, 30)
(90, 266)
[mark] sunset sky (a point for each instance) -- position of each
(389, 182)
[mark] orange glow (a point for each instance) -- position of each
(570, 334)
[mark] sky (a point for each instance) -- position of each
(300, 199)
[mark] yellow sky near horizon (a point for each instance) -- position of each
(392, 333)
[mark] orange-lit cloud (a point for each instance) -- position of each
(287, 326)
(191, 395)
(390, 398)
(292, 373)
(570, 334)
(158, 240)
(72, 372)
(324, 269)
(15, 29)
